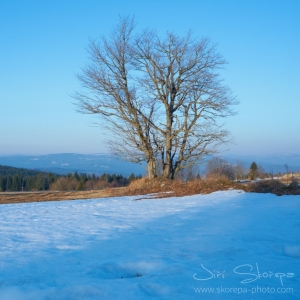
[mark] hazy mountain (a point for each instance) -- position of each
(270, 163)
(71, 162)
(105, 163)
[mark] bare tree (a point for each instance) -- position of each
(261, 172)
(219, 167)
(287, 172)
(161, 97)
(240, 170)
(189, 173)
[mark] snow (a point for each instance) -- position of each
(241, 245)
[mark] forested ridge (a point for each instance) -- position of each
(6, 171)
(19, 179)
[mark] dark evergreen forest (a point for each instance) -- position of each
(17, 179)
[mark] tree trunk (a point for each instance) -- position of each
(168, 161)
(151, 169)
(175, 171)
(167, 169)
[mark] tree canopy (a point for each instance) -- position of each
(161, 97)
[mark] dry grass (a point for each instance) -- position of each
(162, 187)
(21, 197)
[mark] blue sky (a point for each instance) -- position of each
(43, 45)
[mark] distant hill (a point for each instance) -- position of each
(106, 163)
(71, 162)
(270, 163)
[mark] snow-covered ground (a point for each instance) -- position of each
(226, 245)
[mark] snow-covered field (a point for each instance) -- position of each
(226, 245)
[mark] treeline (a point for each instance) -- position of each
(85, 181)
(17, 182)
(11, 171)
(17, 179)
(218, 167)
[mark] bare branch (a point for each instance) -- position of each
(161, 97)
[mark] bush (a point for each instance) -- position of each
(164, 186)
(218, 168)
(275, 187)
(64, 184)
(294, 183)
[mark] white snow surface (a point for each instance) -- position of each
(225, 245)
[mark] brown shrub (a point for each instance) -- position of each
(95, 184)
(273, 186)
(101, 184)
(180, 188)
(64, 184)
(294, 183)
(211, 184)
(155, 185)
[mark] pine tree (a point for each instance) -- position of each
(253, 171)
(8, 182)
(16, 183)
(131, 177)
(76, 176)
(2, 184)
